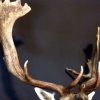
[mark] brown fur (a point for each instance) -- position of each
(73, 96)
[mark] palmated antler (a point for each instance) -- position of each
(10, 12)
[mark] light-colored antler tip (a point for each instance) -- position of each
(26, 68)
(99, 67)
(98, 29)
(27, 7)
(25, 64)
(98, 26)
(82, 69)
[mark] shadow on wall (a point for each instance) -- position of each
(7, 82)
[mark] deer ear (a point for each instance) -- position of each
(90, 96)
(44, 95)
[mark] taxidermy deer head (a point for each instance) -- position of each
(10, 12)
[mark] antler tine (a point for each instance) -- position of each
(73, 73)
(95, 57)
(76, 81)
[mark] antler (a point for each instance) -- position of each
(93, 77)
(10, 12)
(94, 65)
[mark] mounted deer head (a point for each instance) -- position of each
(10, 12)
